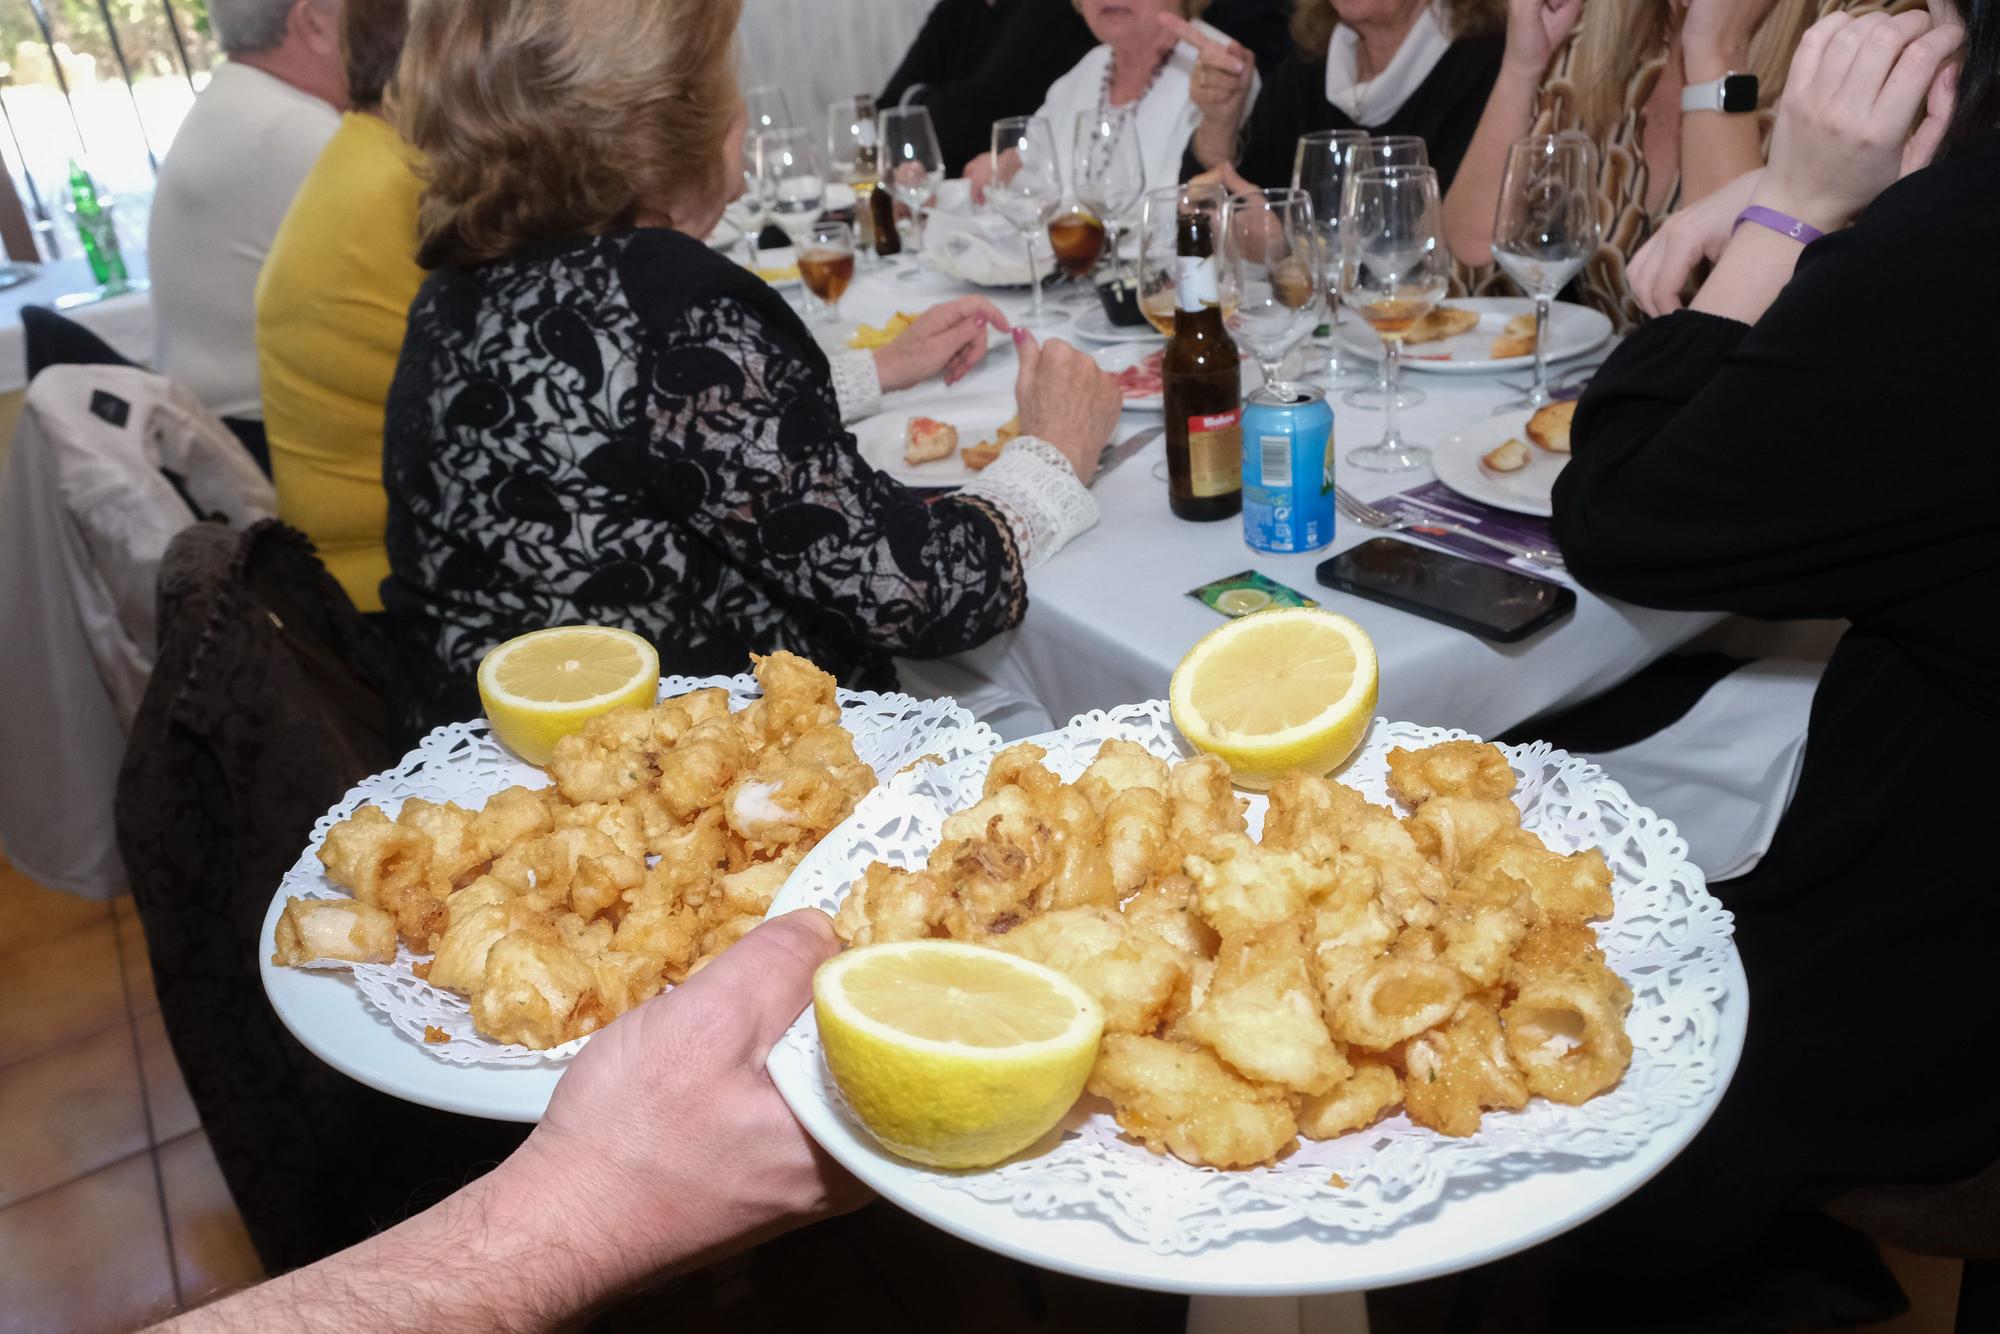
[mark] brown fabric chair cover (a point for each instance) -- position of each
(264, 708)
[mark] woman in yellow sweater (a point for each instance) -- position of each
(332, 302)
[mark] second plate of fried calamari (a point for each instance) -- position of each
(1310, 982)
(660, 841)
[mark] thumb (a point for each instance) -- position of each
(765, 979)
(1031, 359)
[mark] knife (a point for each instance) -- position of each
(1116, 454)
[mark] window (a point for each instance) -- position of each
(106, 82)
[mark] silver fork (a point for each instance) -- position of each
(1369, 517)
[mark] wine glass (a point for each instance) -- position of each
(766, 109)
(1108, 171)
(1381, 151)
(788, 171)
(1319, 167)
(749, 210)
(1077, 238)
(1159, 214)
(826, 265)
(1398, 270)
(1546, 228)
(912, 162)
(1272, 249)
(1027, 186)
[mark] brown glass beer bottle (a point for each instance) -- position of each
(1202, 384)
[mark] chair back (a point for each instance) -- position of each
(50, 339)
(1960, 1219)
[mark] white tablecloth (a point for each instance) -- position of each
(125, 322)
(822, 50)
(1109, 617)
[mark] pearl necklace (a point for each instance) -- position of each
(1104, 90)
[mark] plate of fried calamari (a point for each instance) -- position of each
(457, 927)
(1451, 971)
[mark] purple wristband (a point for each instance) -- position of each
(1781, 223)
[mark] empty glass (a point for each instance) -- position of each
(1272, 250)
(766, 109)
(1546, 228)
(1108, 171)
(1381, 151)
(1027, 186)
(912, 162)
(1398, 270)
(793, 189)
(1320, 167)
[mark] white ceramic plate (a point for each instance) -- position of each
(1098, 328)
(1118, 356)
(778, 259)
(1573, 331)
(881, 440)
(1455, 459)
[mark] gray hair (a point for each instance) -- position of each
(245, 27)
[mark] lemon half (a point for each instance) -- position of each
(1290, 688)
(950, 1054)
(540, 687)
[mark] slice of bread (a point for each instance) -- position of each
(1549, 428)
(1514, 345)
(1512, 456)
(1444, 322)
(1520, 326)
(926, 440)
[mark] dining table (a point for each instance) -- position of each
(1110, 615)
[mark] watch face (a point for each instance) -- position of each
(1739, 93)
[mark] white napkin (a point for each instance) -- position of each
(977, 245)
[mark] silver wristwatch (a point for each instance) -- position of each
(1731, 94)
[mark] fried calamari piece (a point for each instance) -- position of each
(1247, 886)
(344, 929)
(1355, 1103)
(1303, 817)
(798, 697)
(701, 766)
(1132, 973)
(692, 855)
(889, 903)
(1261, 1013)
(832, 749)
(456, 857)
(1564, 889)
(511, 815)
(1410, 886)
(1184, 1101)
(459, 963)
(1452, 831)
(1204, 802)
(1455, 1072)
(387, 865)
(1017, 853)
(1121, 766)
(1020, 765)
(669, 930)
(625, 823)
(607, 759)
(1566, 1027)
(1137, 841)
(780, 807)
(1450, 769)
(598, 885)
(698, 706)
(1480, 940)
(1166, 909)
(1388, 1000)
(533, 986)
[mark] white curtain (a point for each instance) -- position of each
(822, 50)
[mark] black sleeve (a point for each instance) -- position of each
(930, 54)
(1041, 42)
(1817, 464)
(1476, 67)
(1264, 26)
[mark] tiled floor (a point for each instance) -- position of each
(112, 1211)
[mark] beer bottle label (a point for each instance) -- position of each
(1194, 284)
(1215, 452)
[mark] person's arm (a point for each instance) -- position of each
(1535, 29)
(1223, 86)
(1717, 147)
(666, 1146)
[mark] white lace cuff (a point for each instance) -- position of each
(1037, 493)
(855, 387)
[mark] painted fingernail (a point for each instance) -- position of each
(1020, 336)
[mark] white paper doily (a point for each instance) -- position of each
(464, 763)
(1668, 939)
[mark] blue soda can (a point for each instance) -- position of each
(1287, 470)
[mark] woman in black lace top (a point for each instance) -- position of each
(597, 418)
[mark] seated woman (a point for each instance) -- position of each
(1646, 82)
(332, 299)
(1141, 65)
(1789, 448)
(1420, 67)
(599, 418)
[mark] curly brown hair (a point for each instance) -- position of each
(1313, 22)
(540, 119)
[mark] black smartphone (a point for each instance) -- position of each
(1485, 600)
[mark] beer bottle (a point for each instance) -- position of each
(1202, 384)
(96, 229)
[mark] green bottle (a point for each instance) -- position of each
(97, 231)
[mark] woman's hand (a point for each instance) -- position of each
(979, 175)
(1659, 273)
(1219, 88)
(950, 337)
(666, 1141)
(1225, 175)
(1843, 131)
(1535, 28)
(1064, 397)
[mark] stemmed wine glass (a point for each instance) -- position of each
(1108, 171)
(793, 189)
(1272, 249)
(1319, 167)
(1546, 228)
(1158, 265)
(1027, 186)
(746, 212)
(826, 265)
(1381, 151)
(912, 162)
(766, 109)
(1398, 270)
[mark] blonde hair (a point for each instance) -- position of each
(1313, 22)
(1615, 37)
(539, 119)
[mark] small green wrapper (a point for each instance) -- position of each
(1242, 594)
